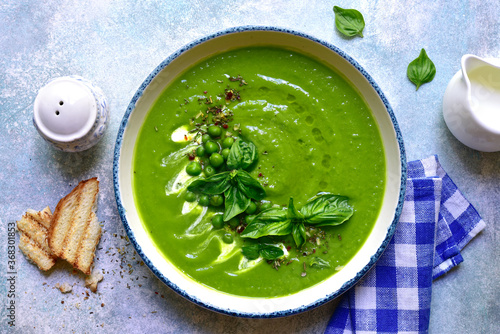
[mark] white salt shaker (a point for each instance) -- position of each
(71, 113)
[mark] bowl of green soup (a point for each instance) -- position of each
(259, 172)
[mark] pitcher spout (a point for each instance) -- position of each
(471, 105)
(470, 63)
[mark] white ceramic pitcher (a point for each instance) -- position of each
(471, 104)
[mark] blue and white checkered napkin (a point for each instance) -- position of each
(435, 224)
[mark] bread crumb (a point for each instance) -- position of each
(92, 280)
(64, 288)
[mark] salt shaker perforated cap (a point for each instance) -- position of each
(65, 110)
(70, 113)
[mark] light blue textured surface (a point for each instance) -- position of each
(117, 44)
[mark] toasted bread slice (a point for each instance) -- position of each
(33, 243)
(75, 231)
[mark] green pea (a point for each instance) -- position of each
(216, 159)
(227, 238)
(204, 200)
(211, 147)
(217, 221)
(225, 153)
(190, 196)
(251, 208)
(216, 200)
(228, 142)
(200, 151)
(214, 131)
(248, 219)
(205, 138)
(265, 206)
(193, 168)
(234, 222)
(208, 171)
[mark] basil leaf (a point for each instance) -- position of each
(272, 221)
(250, 186)
(421, 70)
(292, 212)
(299, 234)
(252, 230)
(317, 204)
(258, 229)
(318, 262)
(213, 185)
(235, 156)
(241, 155)
(249, 154)
(251, 252)
(271, 215)
(270, 252)
(277, 228)
(327, 210)
(235, 202)
(349, 22)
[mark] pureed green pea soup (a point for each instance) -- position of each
(313, 133)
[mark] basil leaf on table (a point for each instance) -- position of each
(349, 22)
(213, 185)
(235, 203)
(421, 70)
(318, 262)
(327, 210)
(250, 186)
(241, 155)
(270, 252)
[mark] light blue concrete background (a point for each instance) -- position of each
(116, 44)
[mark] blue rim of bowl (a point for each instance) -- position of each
(347, 285)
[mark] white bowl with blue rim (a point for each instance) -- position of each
(324, 291)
